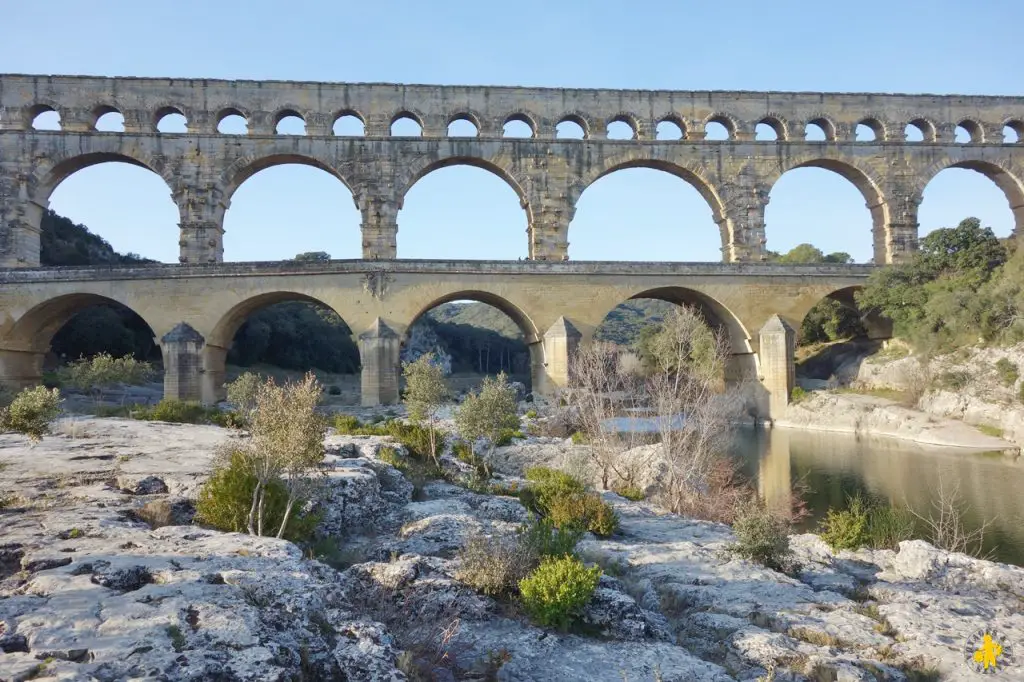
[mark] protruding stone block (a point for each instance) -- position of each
(778, 363)
(378, 352)
(560, 343)
(182, 349)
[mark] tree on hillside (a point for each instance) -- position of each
(943, 296)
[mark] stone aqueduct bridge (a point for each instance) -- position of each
(204, 168)
(557, 305)
(195, 307)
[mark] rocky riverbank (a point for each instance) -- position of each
(871, 415)
(103, 577)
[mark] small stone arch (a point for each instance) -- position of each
(412, 114)
(473, 117)
(777, 123)
(232, 110)
(928, 128)
(286, 111)
(731, 124)
(876, 124)
(825, 122)
(577, 117)
(629, 119)
(521, 116)
(673, 118)
(974, 129)
(1017, 126)
(167, 108)
(101, 110)
(41, 107)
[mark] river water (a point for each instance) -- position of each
(836, 465)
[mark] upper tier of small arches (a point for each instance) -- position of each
(85, 105)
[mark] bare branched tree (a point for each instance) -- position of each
(945, 528)
(603, 389)
(695, 410)
(683, 397)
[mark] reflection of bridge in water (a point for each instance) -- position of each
(836, 465)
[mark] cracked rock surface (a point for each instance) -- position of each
(90, 592)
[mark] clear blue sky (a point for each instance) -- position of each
(896, 45)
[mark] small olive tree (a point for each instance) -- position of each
(488, 413)
(425, 393)
(242, 393)
(286, 443)
(31, 411)
(104, 370)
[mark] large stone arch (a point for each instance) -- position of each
(533, 337)
(693, 174)
(526, 325)
(867, 183)
(226, 323)
(715, 313)
(876, 326)
(408, 176)
(50, 175)
(1007, 178)
(27, 338)
(245, 167)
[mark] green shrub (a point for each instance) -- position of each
(1020, 393)
(31, 412)
(583, 510)
(495, 565)
(565, 500)
(531, 414)
(180, 412)
(225, 499)
(1007, 371)
(414, 437)
(104, 370)
(763, 537)
(797, 395)
(990, 430)
(846, 528)
(506, 436)
(578, 438)
(390, 455)
(548, 541)
(630, 492)
(556, 592)
(346, 423)
(954, 380)
(889, 526)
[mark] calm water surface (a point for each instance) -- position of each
(836, 465)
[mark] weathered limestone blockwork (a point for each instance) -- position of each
(778, 366)
(203, 168)
(556, 305)
(182, 350)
